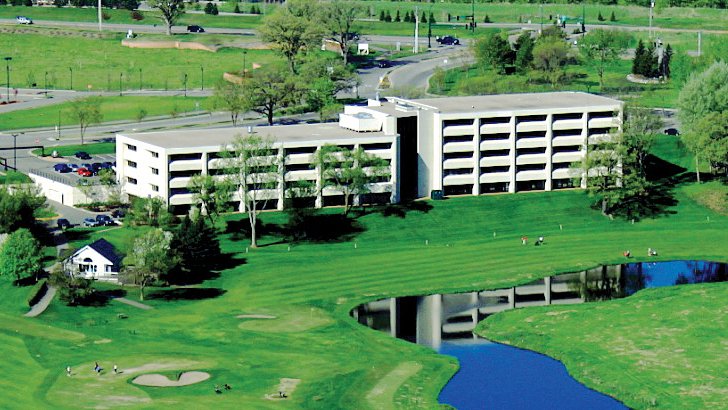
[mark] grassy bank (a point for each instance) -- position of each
(13, 177)
(91, 148)
(112, 109)
(309, 287)
(104, 64)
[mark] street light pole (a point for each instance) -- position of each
(15, 150)
(71, 70)
(46, 83)
(121, 76)
(140, 79)
(202, 76)
(652, 6)
(245, 52)
(7, 76)
(429, 28)
(100, 15)
(185, 81)
(472, 14)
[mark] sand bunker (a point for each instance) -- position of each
(287, 387)
(255, 316)
(158, 380)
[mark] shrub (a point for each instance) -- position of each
(487, 19)
(137, 15)
(106, 16)
(37, 292)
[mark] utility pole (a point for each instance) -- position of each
(541, 7)
(472, 15)
(429, 28)
(121, 76)
(652, 6)
(7, 77)
(416, 48)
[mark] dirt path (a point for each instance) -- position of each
(133, 303)
(382, 395)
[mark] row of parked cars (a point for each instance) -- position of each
(85, 170)
(99, 220)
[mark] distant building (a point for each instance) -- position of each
(97, 260)
(457, 145)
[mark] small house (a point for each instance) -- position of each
(97, 260)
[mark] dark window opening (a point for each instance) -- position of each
(530, 185)
(466, 189)
(495, 153)
(494, 187)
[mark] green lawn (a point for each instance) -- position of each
(112, 109)
(13, 177)
(99, 63)
(69, 150)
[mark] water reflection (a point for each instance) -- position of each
(445, 322)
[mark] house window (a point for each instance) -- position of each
(131, 180)
(155, 171)
(131, 147)
(131, 164)
(155, 188)
(154, 154)
(108, 268)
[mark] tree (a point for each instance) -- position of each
(73, 290)
(149, 260)
(524, 52)
(382, 16)
(20, 255)
(712, 138)
(639, 56)
(339, 17)
(107, 179)
(612, 17)
(18, 208)
(170, 11)
(210, 194)
(603, 165)
(493, 50)
(268, 89)
(601, 47)
(550, 54)
(149, 211)
(704, 94)
(86, 111)
(324, 78)
(252, 164)
(638, 135)
(397, 18)
(197, 247)
(291, 29)
(230, 97)
(349, 171)
(600, 17)
(665, 62)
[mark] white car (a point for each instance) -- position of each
(23, 20)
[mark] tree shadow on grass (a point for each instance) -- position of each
(401, 210)
(101, 298)
(186, 293)
(659, 169)
(314, 227)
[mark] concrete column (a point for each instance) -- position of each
(547, 289)
(474, 302)
(476, 156)
(319, 184)
(394, 170)
(512, 298)
(281, 187)
(429, 321)
(393, 316)
(512, 183)
(205, 163)
(585, 147)
(549, 152)
(582, 282)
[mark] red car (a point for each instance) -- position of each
(84, 172)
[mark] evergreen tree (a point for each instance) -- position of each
(382, 16)
(449, 17)
(600, 17)
(407, 18)
(524, 52)
(388, 17)
(612, 17)
(652, 68)
(487, 19)
(237, 9)
(397, 19)
(432, 18)
(423, 19)
(665, 64)
(197, 246)
(639, 54)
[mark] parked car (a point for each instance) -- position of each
(106, 165)
(104, 220)
(63, 223)
(74, 167)
(90, 222)
(118, 213)
(62, 168)
(448, 40)
(24, 20)
(96, 167)
(195, 29)
(82, 155)
(672, 131)
(84, 172)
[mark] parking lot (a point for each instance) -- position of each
(73, 178)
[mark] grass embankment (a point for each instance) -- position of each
(92, 149)
(310, 288)
(13, 177)
(112, 109)
(99, 63)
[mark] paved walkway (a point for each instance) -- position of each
(43, 303)
(133, 303)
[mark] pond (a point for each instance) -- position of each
(492, 375)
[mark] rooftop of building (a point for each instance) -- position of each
(505, 102)
(205, 137)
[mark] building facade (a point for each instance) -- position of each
(161, 164)
(456, 145)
